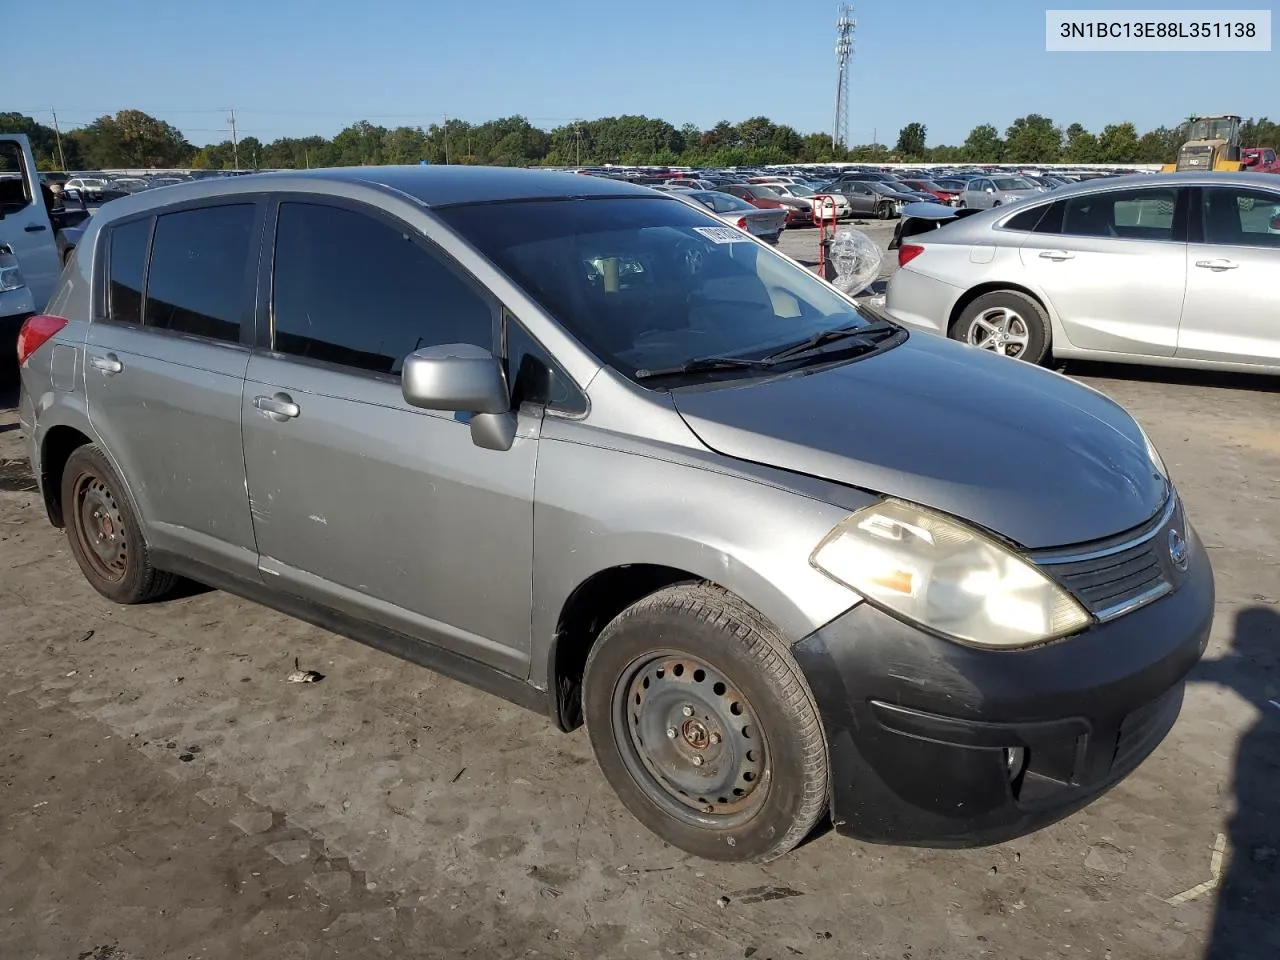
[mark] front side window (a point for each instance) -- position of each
(198, 283)
(1241, 216)
(126, 263)
(1140, 214)
(354, 290)
(647, 284)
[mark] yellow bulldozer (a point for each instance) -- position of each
(1213, 143)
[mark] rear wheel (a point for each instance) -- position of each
(1005, 322)
(104, 533)
(704, 726)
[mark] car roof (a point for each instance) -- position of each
(433, 186)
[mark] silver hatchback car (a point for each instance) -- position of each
(594, 450)
(1176, 270)
(982, 193)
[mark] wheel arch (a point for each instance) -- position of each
(585, 612)
(1000, 286)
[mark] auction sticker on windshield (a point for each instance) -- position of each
(722, 234)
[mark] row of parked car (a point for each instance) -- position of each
(845, 193)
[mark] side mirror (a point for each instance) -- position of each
(467, 379)
(991, 189)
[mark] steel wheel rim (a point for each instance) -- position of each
(1000, 330)
(670, 692)
(100, 527)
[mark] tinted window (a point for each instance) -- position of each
(1026, 220)
(354, 290)
(534, 376)
(14, 192)
(1234, 215)
(199, 280)
(126, 259)
(1145, 214)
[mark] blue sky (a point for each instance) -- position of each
(294, 68)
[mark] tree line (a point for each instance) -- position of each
(135, 139)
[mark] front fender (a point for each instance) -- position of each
(597, 509)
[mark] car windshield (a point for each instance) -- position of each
(767, 193)
(1013, 183)
(924, 185)
(652, 283)
(800, 190)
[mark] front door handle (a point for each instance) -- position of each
(277, 407)
(1217, 264)
(35, 227)
(1056, 255)
(108, 366)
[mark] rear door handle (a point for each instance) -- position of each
(34, 227)
(1217, 264)
(277, 407)
(109, 365)
(1056, 255)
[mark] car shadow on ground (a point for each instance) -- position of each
(1174, 376)
(1249, 890)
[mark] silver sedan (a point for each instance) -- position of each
(765, 224)
(1175, 270)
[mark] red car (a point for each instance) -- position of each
(943, 194)
(766, 198)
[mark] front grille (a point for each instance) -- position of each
(1121, 573)
(1105, 583)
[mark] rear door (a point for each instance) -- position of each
(1112, 265)
(1233, 264)
(360, 502)
(24, 221)
(165, 365)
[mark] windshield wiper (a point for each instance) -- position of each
(871, 330)
(699, 364)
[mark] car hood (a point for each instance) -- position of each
(1014, 448)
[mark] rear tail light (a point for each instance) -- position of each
(908, 252)
(35, 332)
(742, 223)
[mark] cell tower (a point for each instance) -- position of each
(845, 26)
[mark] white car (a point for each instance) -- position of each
(1173, 270)
(843, 210)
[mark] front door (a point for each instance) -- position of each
(361, 502)
(164, 373)
(1233, 263)
(1112, 265)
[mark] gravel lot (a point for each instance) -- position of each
(165, 793)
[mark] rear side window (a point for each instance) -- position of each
(199, 279)
(354, 290)
(126, 260)
(1143, 214)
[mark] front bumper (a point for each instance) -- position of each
(919, 728)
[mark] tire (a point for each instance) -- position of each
(96, 506)
(680, 668)
(884, 211)
(1005, 322)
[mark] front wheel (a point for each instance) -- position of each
(704, 725)
(884, 211)
(1005, 322)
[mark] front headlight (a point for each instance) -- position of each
(947, 577)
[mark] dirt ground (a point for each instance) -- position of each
(164, 792)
